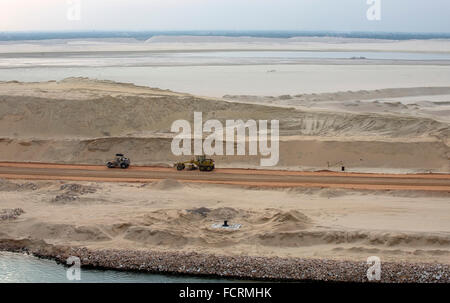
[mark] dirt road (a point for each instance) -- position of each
(243, 177)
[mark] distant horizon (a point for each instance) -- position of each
(221, 30)
(146, 34)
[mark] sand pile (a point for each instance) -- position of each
(166, 184)
(55, 232)
(270, 217)
(177, 228)
(226, 213)
(331, 193)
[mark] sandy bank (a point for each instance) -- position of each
(168, 215)
(77, 121)
(317, 234)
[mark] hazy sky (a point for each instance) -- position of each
(338, 15)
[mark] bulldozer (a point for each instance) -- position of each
(200, 162)
(119, 161)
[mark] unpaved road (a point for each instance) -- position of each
(243, 177)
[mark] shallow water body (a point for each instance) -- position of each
(22, 268)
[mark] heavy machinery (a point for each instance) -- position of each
(200, 162)
(120, 161)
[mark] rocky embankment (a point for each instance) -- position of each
(242, 267)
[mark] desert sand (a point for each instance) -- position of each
(77, 121)
(171, 216)
(374, 117)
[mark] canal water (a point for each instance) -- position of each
(22, 268)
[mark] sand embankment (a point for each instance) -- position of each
(306, 154)
(127, 224)
(86, 121)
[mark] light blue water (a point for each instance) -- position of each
(20, 268)
(144, 35)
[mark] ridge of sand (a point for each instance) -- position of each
(142, 109)
(80, 120)
(414, 102)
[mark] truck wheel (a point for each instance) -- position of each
(109, 165)
(180, 166)
(123, 165)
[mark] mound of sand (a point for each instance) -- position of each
(156, 237)
(203, 211)
(178, 228)
(332, 193)
(284, 220)
(166, 184)
(57, 231)
(225, 213)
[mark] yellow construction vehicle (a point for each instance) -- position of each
(200, 162)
